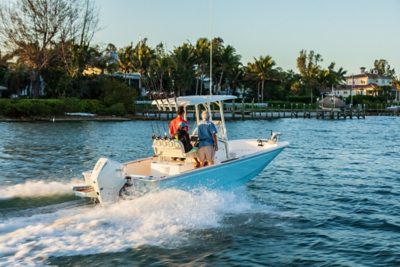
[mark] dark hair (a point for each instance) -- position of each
(180, 111)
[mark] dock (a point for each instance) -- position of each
(246, 111)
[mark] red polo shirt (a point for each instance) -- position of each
(174, 125)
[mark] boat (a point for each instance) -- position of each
(393, 107)
(329, 101)
(236, 161)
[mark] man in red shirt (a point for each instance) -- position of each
(174, 124)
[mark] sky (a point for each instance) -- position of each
(352, 33)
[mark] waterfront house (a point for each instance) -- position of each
(367, 84)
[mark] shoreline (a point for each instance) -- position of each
(62, 118)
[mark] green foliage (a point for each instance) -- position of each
(365, 99)
(116, 109)
(92, 106)
(116, 92)
(43, 107)
(299, 99)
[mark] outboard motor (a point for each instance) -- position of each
(108, 178)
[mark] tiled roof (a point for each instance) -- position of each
(370, 76)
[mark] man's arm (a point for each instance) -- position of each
(215, 142)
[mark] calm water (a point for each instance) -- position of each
(331, 198)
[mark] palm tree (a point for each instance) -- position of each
(309, 68)
(323, 78)
(141, 57)
(235, 77)
(162, 64)
(228, 61)
(263, 69)
(184, 74)
(202, 54)
(124, 59)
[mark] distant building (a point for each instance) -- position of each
(366, 84)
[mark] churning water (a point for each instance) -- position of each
(330, 198)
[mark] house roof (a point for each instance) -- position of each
(370, 76)
(3, 88)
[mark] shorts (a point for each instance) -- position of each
(206, 153)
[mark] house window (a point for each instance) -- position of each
(362, 81)
(345, 92)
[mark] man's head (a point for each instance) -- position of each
(205, 115)
(180, 111)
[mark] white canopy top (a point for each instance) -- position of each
(195, 100)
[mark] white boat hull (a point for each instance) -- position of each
(108, 179)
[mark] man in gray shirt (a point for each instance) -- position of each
(208, 140)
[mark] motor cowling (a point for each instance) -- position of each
(108, 179)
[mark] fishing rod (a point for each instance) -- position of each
(165, 132)
(159, 113)
(153, 136)
(163, 94)
(159, 132)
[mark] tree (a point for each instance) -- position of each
(308, 66)
(125, 60)
(289, 78)
(202, 53)
(263, 69)
(235, 77)
(184, 74)
(228, 61)
(111, 48)
(141, 57)
(295, 89)
(17, 79)
(161, 64)
(323, 78)
(383, 68)
(3, 67)
(31, 30)
(115, 92)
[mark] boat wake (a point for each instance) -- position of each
(39, 189)
(164, 219)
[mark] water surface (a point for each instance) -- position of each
(330, 198)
